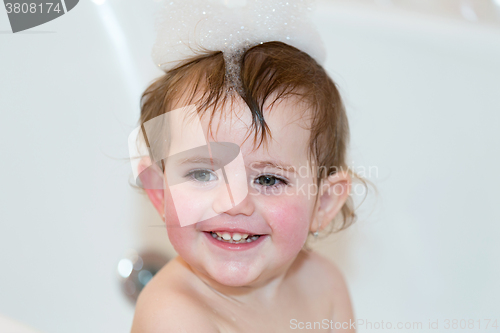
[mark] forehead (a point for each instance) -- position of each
(287, 120)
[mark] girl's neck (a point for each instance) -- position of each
(266, 291)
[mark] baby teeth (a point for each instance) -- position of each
(235, 238)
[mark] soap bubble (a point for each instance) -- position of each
(231, 26)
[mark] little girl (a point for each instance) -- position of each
(238, 211)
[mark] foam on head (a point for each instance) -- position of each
(232, 26)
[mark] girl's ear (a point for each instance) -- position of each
(333, 194)
(151, 178)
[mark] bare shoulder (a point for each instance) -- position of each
(327, 268)
(333, 282)
(165, 306)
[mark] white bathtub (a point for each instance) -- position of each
(8, 325)
(423, 100)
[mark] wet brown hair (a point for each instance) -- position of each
(272, 69)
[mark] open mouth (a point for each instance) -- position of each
(233, 237)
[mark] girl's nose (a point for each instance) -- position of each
(245, 207)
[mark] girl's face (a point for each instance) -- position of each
(279, 205)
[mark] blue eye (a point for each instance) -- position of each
(202, 176)
(270, 181)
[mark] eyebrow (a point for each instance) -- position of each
(273, 164)
(257, 164)
(200, 160)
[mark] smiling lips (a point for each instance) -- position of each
(247, 243)
(231, 238)
(234, 237)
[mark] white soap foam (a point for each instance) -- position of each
(228, 25)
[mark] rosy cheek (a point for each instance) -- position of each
(183, 239)
(170, 211)
(179, 236)
(288, 217)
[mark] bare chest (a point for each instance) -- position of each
(286, 316)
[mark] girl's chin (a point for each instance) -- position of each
(233, 282)
(232, 276)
